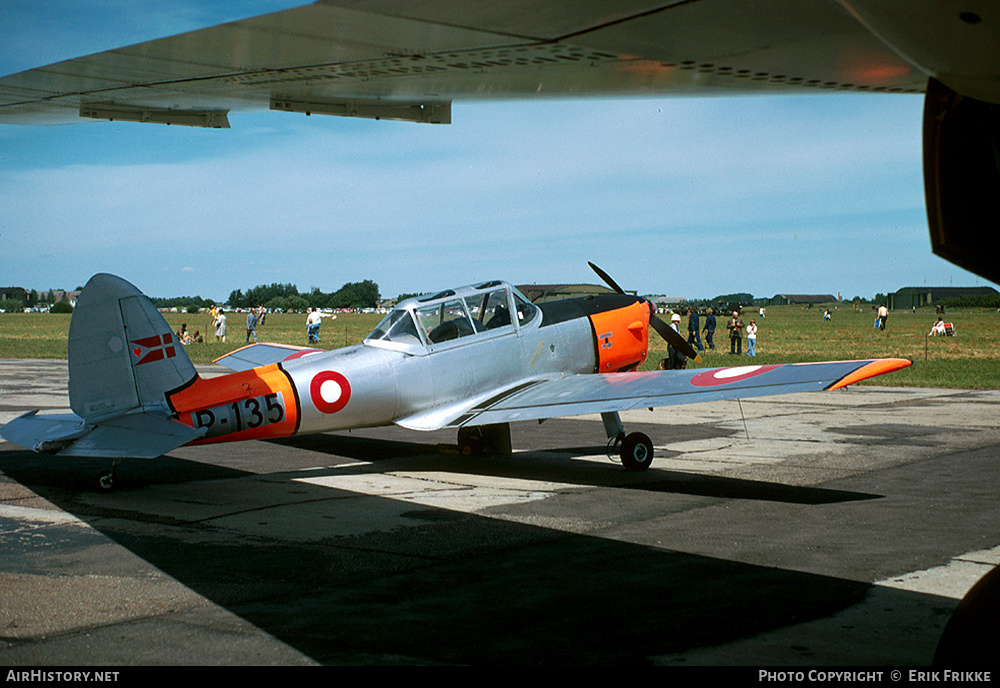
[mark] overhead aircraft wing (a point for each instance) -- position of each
(393, 59)
(257, 355)
(583, 394)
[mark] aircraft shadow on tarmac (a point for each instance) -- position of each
(557, 465)
(553, 465)
(462, 587)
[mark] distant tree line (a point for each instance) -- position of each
(741, 298)
(191, 304)
(364, 294)
(16, 299)
(971, 301)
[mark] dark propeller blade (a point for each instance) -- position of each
(672, 336)
(606, 277)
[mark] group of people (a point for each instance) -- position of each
(218, 326)
(735, 327)
(185, 337)
(218, 323)
(255, 318)
(676, 360)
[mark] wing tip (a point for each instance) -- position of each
(879, 366)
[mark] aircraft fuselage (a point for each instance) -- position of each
(427, 354)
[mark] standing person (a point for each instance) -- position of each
(694, 333)
(675, 359)
(312, 325)
(220, 325)
(252, 325)
(735, 327)
(883, 315)
(752, 338)
(709, 328)
(761, 311)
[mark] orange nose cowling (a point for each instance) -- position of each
(622, 337)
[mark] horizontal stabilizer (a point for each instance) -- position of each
(142, 435)
(47, 433)
(257, 355)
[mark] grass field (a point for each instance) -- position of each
(971, 359)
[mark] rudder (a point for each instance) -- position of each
(122, 353)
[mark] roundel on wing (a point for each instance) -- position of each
(329, 391)
(725, 376)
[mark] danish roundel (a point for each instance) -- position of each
(725, 376)
(330, 391)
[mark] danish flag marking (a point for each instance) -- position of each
(155, 348)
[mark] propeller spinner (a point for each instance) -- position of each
(669, 334)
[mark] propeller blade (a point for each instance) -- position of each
(606, 277)
(673, 337)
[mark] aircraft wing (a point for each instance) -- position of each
(392, 59)
(257, 355)
(583, 394)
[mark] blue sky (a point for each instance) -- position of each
(687, 197)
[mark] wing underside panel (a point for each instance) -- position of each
(399, 60)
(585, 394)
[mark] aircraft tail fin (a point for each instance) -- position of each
(122, 353)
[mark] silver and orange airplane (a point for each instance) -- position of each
(474, 358)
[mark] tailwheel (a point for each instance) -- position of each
(106, 481)
(636, 452)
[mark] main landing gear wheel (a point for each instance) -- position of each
(636, 452)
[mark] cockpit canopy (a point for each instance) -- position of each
(424, 322)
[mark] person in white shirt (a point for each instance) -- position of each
(752, 338)
(313, 321)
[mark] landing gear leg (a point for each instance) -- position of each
(634, 449)
(485, 439)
